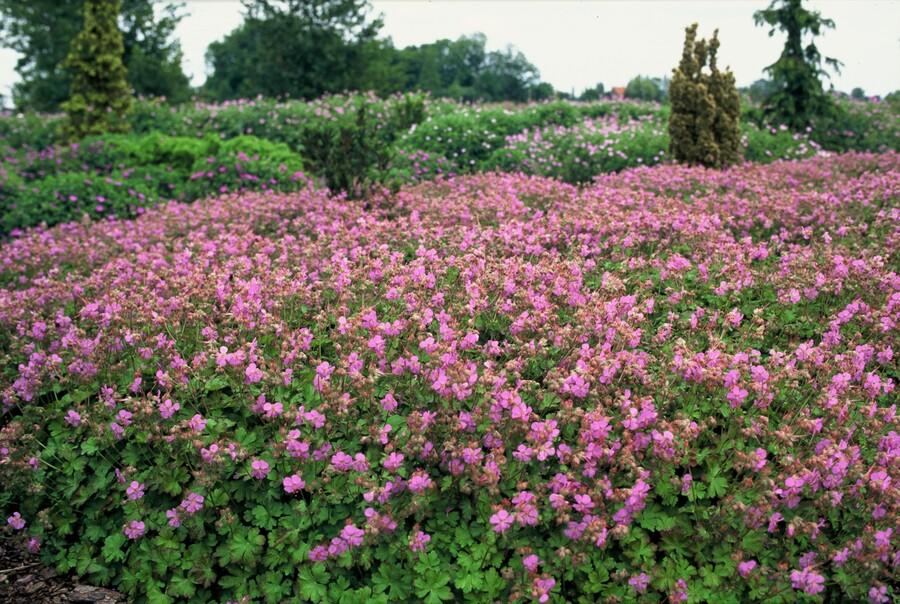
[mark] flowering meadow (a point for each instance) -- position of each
(673, 384)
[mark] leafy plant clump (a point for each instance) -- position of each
(122, 175)
(672, 384)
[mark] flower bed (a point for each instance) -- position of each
(675, 383)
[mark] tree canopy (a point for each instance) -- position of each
(797, 98)
(42, 31)
(326, 46)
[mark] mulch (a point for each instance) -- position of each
(24, 580)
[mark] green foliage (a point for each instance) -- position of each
(317, 55)
(294, 49)
(760, 90)
(100, 93)
(152, 56)
(42, 31)
(33, 130)
(646, 89)
(119, 175)
(592, 94)
(798, 99)
(353, 149)
(704, 121)
(464, 70)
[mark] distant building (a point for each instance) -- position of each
(618, 93)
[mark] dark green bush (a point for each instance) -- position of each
(63, 183)
(70, 195)
(352, 149)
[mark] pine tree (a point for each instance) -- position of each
(798, 98)
(704, 121)
(100, 95)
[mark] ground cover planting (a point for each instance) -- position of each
(671, 384)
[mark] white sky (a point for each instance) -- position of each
(576, 44)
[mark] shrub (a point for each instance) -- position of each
(100, 93)
(70, 195)
(128, 172)
(704, 122)
(353, 148)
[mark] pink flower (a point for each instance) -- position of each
(501, 521)
(73, 418)
(34, 545)
(124, 417)
(760, 459)
(746, 567)
(418, 541)
(174, 517)
(16, 521)
(531, 562)
(419, 481)
(135, 490)
(736, 396)
(259, 469)
(880, 480)
(318, 553)
(541, 587)
(352, 535)
(576, 385)
(193, 503)
(197, 423)
(393, 461)
(639, 582)
(389, 403)
(292, 483)
(807, 581)
(878, 594)
(134, 529)
(272, 410)
(167, 409)
(323, 374)
(253, 374)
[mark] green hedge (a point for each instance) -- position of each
(116, 175)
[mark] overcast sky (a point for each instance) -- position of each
(576, 44)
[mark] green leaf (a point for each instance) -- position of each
(244, 547)
(654, 518)
(218, 382)
(470, 580)
(753, 541)
(432, 588)
(310, 587)
(112, 548)
(181, 587)
(718, 485)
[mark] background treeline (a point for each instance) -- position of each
(300, 49)
(297, 49)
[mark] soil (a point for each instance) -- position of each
(24, 580)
